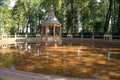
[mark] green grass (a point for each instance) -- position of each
(4, 77)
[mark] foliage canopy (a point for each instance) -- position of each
(89, 15)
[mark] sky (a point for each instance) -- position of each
(98, 0)
(12, 3)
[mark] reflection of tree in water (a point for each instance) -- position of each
(10, 59)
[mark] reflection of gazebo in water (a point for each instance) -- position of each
(51, 29)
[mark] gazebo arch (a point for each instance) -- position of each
(51, 29)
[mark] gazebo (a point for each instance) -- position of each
(51, 29)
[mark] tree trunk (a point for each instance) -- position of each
(27, 25)
(114, 18)
(108, 15)
(118, 21)
(18, 28)
(72, 15)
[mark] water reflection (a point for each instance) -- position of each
(109, 55)
(70, 60)
(39, 52)
(20, 47)
(47, 57)
(78, 53)
(13, 67)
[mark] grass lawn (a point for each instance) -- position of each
(4, 77)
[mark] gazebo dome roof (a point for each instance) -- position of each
(51, 19)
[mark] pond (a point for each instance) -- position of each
(81, 61)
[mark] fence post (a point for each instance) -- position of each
(15, 36)
(15, 39)
(93, 36)
(81, 36)
(25, 35)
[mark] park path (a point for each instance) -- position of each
(34, 76)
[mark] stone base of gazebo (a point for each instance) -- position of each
(51, 43)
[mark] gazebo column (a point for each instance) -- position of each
(54, 33)
(46, 32)
(41, 31)
(55, 44)
(46, 37)
(60, 33)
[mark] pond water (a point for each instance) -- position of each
(81, 61)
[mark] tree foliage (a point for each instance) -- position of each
(27, 14)
(6, 20)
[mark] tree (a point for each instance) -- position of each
(113, 14)
(6, 20)
(117, 27)
(25, 13)
(19, 15)
(108, 16)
